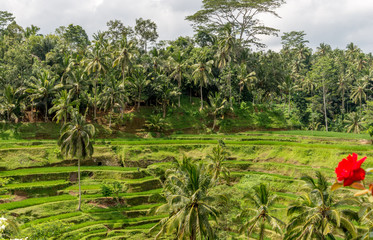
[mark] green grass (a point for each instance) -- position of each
(51, 170)
(35, 201)
(278, 159)
(38, 184)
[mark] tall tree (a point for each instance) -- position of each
(189, 202)
(202, 73)
(146, 30)
(324, 74)
(42, 87)
(6, 18)
(178, 67)
(138, 81)
(113, 95)
(11, 101)
(225, 55)
(63, 105)
(75, 141)
(242, 15)
(359, 93)
(97, 63)
(125, 56)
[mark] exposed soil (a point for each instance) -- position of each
(106, 202)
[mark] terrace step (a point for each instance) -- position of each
(64, 173)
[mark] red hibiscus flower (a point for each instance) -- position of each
(349, 170)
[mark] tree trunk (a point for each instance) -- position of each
(201, 97)
(239, 99)
(95, 101)
(46, 110)
(179, 86)
(289, 103)
(190, 95)
(230, 89)
(32, 112)
(214, 123)
(164, 109)
(324, 101)
(80, 190)
(138, 101)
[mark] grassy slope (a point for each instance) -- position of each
(276, 158)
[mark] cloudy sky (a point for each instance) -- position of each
(335, 22)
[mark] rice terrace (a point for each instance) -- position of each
(231, 130)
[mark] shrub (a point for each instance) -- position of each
(106, 190)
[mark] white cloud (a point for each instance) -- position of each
(335, 22)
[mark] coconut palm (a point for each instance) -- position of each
(97, 63)
(166, 92)
(217, 104)
(188, 203)
(359, 93)
(11, 100)
(245, 78)
(125, 56)
(156, 124)
(316, 214)
(201, 74)
(113, 95)
(178, 67)
(42, 87)
(353, 122)
(225, 55)
(216, 158)
(77, 82)
(63, 105)
(75, 141)
(138, 82)
(262, 200)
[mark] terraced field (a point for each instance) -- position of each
(43, 188)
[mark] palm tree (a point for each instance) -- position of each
(201, 74)
(77, 82)
(125, 56)
(166, 92)
(216, 106)
(11, 100)
(138, 82)
(157, 124)
(359, 93)
(96, 63)
(262, 200)
(245, 79)
(353, 122)
(114, 94)
(42, 87)
(317, 213)
(188, 202)
(217, 157)
(224, 55)
(178, 66)
(63, 105)
(342, 88)
(75, 141)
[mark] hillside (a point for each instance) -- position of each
(42, 191)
